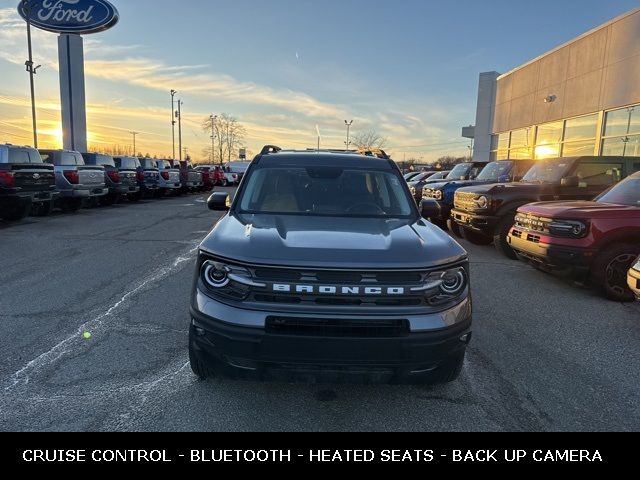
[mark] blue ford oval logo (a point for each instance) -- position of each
(69, 16)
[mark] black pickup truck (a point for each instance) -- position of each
(323, 268)
(27, 185)
(487, 213)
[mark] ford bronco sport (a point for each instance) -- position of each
(486, 213)
(324, 269)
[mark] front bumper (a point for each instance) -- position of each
(634, 281)
(485, 224)
(435, 210)
(533, 248)
(255, 352)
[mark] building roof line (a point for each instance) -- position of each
(566, 44)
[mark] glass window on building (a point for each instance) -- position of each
(579, 149)
(602, 174)
(622, 122)
(520, 153)
(503, 141)
(549, 133)
(627, 146)
(582, 128)
(502, 155)
(547, 151)
(521, 138)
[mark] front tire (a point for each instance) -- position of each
(198, 367)
(500, 240)
(609, 270)
(449, 371)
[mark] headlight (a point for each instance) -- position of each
(228, 281)
(568, 228)
(413, 191)
(636, 267)
(216, 275)
(443, 286)
(482, 202)
(437, 194)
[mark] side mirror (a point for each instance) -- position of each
(505, 179)
(570, 182)
(219, 201)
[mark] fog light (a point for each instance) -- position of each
(200, 332)
(466, 338)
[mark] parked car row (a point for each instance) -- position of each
(575, 216)
(38, 181)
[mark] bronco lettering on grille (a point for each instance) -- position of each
(337, 290)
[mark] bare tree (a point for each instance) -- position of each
(228, 136)
(368, 140)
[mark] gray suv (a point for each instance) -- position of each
(324, 268)
(76, 181)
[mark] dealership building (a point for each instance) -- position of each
(582, 98)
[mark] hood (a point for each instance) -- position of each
(331, 242)
(580, 210)
(495, 189)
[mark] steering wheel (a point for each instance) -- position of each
(365, 208)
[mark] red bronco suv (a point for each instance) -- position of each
(599, 239)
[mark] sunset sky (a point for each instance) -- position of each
(407, 68)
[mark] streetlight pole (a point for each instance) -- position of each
(348, 124)
(213, 139)
(32, 71)
(179, 115)
(134, 142)
(173, 123)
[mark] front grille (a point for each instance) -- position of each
(532, 223)
(466, 201)
(316, 327)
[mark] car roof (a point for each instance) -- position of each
(324, 159)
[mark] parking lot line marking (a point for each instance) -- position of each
(60, 349)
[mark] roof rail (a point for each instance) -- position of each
(267, 149)
(374, 152)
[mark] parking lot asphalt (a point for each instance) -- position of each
(546, 354)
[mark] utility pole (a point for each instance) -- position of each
(134, 142)
(173, 123)
(179, 115)
(213, 139)
(348, 124)
(32, 71)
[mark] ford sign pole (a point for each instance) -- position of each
(32, 72)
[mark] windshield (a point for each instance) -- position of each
(626, 192)
(495, 170)
(459, 171)
(549, 171)
(325, 191)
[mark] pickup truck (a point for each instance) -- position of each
(437, 198)
(114, 180)
(149, 185)
(323, 268)
(131, 175)
(211, 176)
(598, 240)
(76, 181)
(486, 213)
(27, 185)
(169, 180)
(235, 171)
(191, 178)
